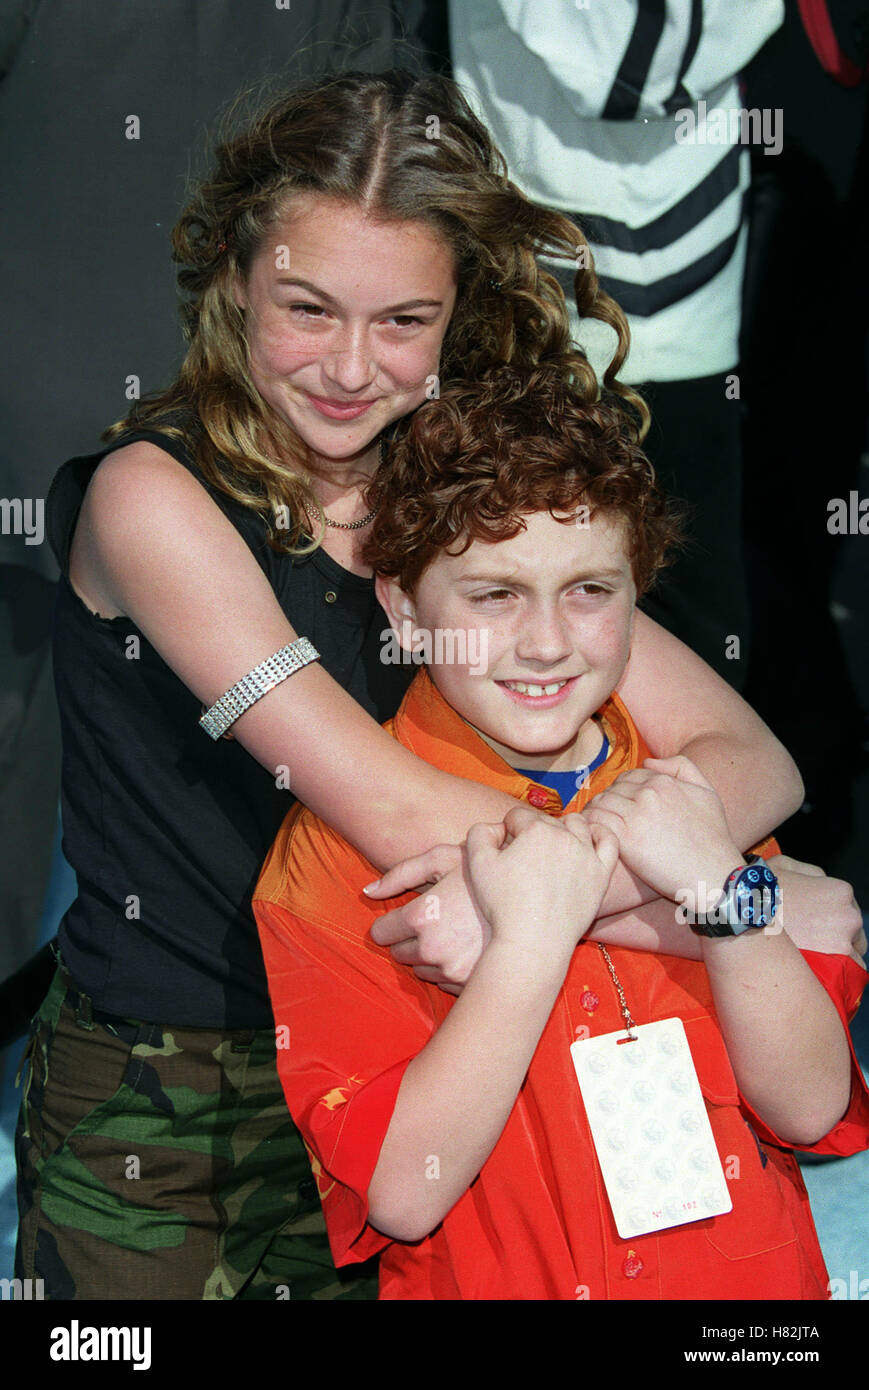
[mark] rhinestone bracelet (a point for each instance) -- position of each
(255, 684)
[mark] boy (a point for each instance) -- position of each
(452, 1135)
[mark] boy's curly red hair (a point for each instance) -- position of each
(472, 462)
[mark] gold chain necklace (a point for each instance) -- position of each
(348, 525)
(343, 525)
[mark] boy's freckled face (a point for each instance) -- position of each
(553, 607)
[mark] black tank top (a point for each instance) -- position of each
(165, 828)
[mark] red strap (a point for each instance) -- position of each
(822, 37)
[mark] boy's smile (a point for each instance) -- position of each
(554, 607)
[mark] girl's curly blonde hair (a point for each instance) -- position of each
(404, 148)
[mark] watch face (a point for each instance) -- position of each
(756, 895)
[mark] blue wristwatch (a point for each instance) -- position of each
(750, 900)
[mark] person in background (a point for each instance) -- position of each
(619, 116)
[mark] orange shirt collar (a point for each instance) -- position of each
(432, 729)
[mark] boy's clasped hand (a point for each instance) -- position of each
(535, 876)
(670, 826)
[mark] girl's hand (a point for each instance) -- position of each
(442, 933)
(818, 913)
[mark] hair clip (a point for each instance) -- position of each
(495, 285)
(221, 247)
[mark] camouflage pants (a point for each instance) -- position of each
(162, 1163)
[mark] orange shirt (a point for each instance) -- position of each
(536, 1223)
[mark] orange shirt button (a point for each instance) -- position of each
(537, 797)
(632, 1265)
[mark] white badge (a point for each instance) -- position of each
(650, 1128)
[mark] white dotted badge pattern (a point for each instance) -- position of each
(650, 1128)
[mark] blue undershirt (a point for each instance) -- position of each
(567, 784)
